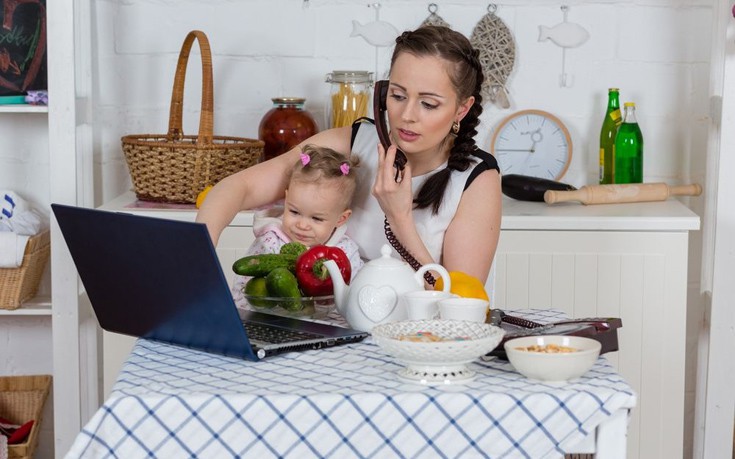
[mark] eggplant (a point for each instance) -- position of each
(527, 188)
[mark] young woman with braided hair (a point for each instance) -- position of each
(445, 206)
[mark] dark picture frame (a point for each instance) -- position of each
(22, 46)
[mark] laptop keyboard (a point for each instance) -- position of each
(275, 335)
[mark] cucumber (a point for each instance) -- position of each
(281, 282)
(261, 265)
(293, 248)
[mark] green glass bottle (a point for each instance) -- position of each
(610, 126)
(629, 149)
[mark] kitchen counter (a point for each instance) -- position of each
(670, 215)
(127, 202)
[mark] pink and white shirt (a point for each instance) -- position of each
(270, 237)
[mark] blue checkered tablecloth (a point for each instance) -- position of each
(340, 402)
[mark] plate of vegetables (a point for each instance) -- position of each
(293, 282)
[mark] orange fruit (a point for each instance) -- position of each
(202, 195)
(464, 285)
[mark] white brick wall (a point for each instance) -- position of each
(657, 52)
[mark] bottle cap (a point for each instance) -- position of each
(629, 104)
(614, 89)
(349, 76)
(288, 100)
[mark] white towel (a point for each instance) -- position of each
(17, 216)
(12, 249)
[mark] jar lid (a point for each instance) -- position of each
(289, 100)
(350, 76)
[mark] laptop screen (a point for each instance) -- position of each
(154, 278)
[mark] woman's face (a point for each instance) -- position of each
(422, 103)
(312, 212)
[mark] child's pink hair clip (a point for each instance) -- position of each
(304, 159)
(345, 168)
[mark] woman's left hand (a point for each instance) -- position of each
(394, 196)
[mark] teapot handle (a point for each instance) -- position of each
(419, 275)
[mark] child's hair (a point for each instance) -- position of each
(320, 163)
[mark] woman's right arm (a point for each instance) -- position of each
(261, 184)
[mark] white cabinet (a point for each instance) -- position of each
(233, 243)
(617, 260)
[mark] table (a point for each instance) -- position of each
(347, 402)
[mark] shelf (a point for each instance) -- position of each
(23, 108)
(38, 306)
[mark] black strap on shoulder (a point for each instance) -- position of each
(356, 126)
(487, 162)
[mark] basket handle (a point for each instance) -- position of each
(206, 120)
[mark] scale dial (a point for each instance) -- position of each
(533, 143)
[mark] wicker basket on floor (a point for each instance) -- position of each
(21, 400)
(21, 284)
(174, 167)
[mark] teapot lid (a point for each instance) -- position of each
(385, 260)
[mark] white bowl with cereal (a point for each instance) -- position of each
(437, 352)
(552, 358)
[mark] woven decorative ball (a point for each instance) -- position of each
(434, 19)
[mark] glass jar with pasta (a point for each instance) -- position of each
(349, 97)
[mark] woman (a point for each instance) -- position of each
(445, 206)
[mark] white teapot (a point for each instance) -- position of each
(375, 295)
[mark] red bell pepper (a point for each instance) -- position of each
(313, 276)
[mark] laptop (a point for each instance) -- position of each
(161, 280)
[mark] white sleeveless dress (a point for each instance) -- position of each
(365, 226)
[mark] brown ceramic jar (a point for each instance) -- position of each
(285, 125)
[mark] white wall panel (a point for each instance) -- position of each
(637, 276)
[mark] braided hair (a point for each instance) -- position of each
(466, 76)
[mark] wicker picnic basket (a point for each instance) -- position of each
(21, 400)
(21, 284)
(174, 167)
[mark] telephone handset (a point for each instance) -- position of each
(380, 107)
(379, 110)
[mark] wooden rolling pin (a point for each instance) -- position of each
(633, 192)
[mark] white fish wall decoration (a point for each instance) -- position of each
(565, 34)
(377, 33)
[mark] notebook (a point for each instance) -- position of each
(160, 279)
